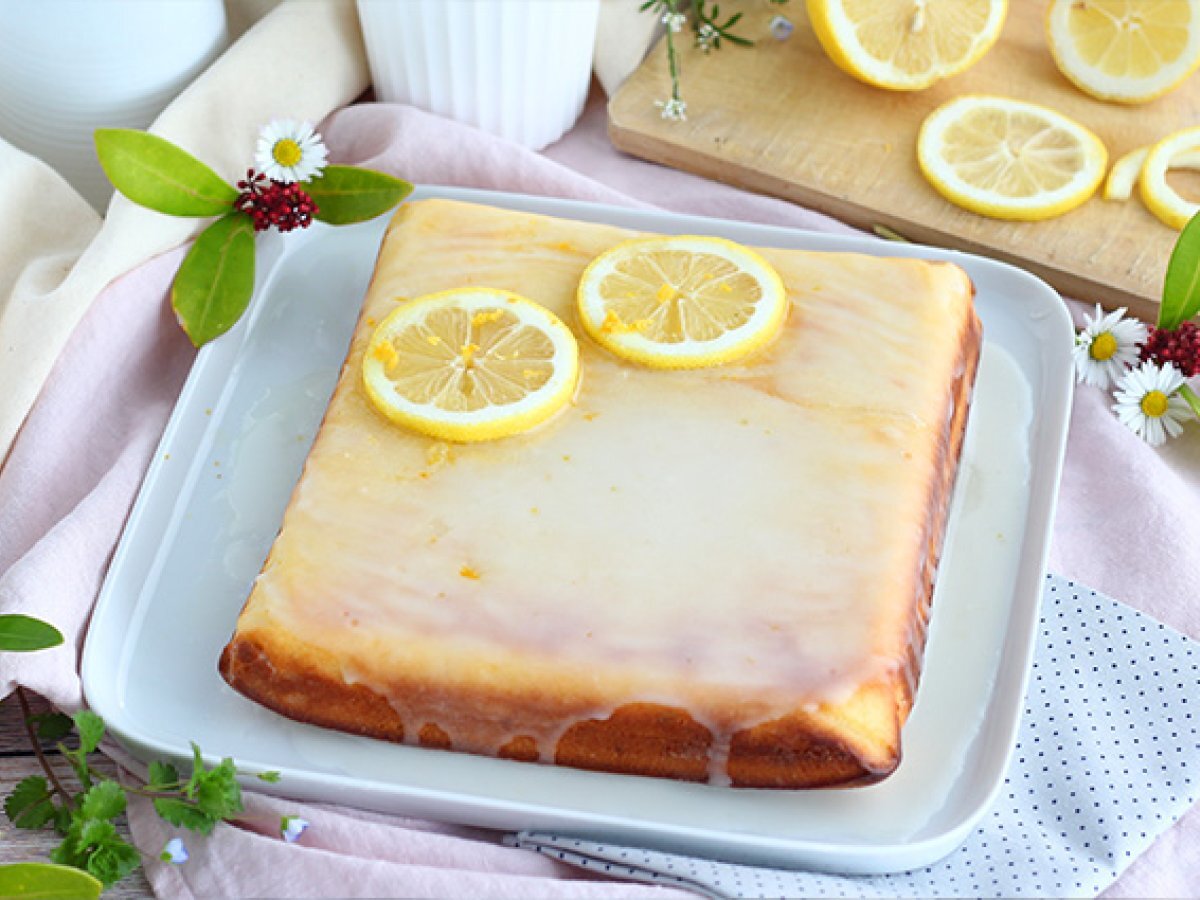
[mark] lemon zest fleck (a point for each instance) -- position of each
(468, 572)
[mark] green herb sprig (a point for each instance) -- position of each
(709, 32)
(85, 818)
(216, 280)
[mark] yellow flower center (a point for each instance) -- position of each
(286, 152)
(1103, 346)
(1154, 404)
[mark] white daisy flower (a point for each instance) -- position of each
(1106, 346)
(174, 852)
(672, 110)
(1149, 404)
(291, 827)
(290, 151)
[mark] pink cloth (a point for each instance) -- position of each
(1128, 525)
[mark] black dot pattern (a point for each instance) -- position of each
(1107, 758)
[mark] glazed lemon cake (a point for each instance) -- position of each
(719, 573)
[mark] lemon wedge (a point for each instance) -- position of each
(1009, 159)
(1124, 51)
(470, 364)
(681, 302)
(1125, 171)
(906, 45)
(1160, 197)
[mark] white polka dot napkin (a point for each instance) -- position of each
(1107, 758)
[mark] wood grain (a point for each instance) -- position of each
(780, 119)
(18, 762)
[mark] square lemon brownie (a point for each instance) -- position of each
(719, 575)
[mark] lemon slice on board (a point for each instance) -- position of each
(470, 364)
(681, 302)
(906, 45)
(1125, 171)
(1125, 51)
(1157, 194)
(1009, 159)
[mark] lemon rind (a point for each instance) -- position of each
(1160, 198)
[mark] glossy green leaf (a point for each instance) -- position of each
(345, 195)
(213, 286)
(1181, 289)
(23, 634)
(155, 173)
(47, 882)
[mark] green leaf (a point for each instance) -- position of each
(30, 805)
(52, 726)
(184, 815)
(43, 881)
(23, 634)
(214, 284)
(91, 730)
(162, 775)
(217, 792)
(105, 800)
(112, 860)
(155, 173)
(1181, 288)
(269, 777)
(345, 194)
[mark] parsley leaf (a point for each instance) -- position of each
(162, 775)
(271, 777)
(91, 730)
(218, 793)
(112, 860)
(184, 815)
(30, 805)
(52, 726)
(105, 800)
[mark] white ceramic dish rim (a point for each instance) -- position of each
(1047, 440)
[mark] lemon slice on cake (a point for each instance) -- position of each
(1009, 159)
(681, 302)
(470, 364)
(1125, 51)
(906, 45)
(1162, 199)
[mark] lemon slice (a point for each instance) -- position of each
(1125, 171)
(681, 302)
(906, 45)
(470, 364)
(1160, 197)
(1009, 159)
(1125, 51)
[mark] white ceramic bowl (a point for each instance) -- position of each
(68, 67)
(518, 68)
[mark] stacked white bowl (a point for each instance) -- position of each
(68, 67)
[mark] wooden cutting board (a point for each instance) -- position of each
(780, 119)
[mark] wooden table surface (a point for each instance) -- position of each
(17, 761)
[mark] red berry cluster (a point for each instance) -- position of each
(272, 203)
(1180, 346)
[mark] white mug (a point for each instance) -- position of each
(68, 67)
